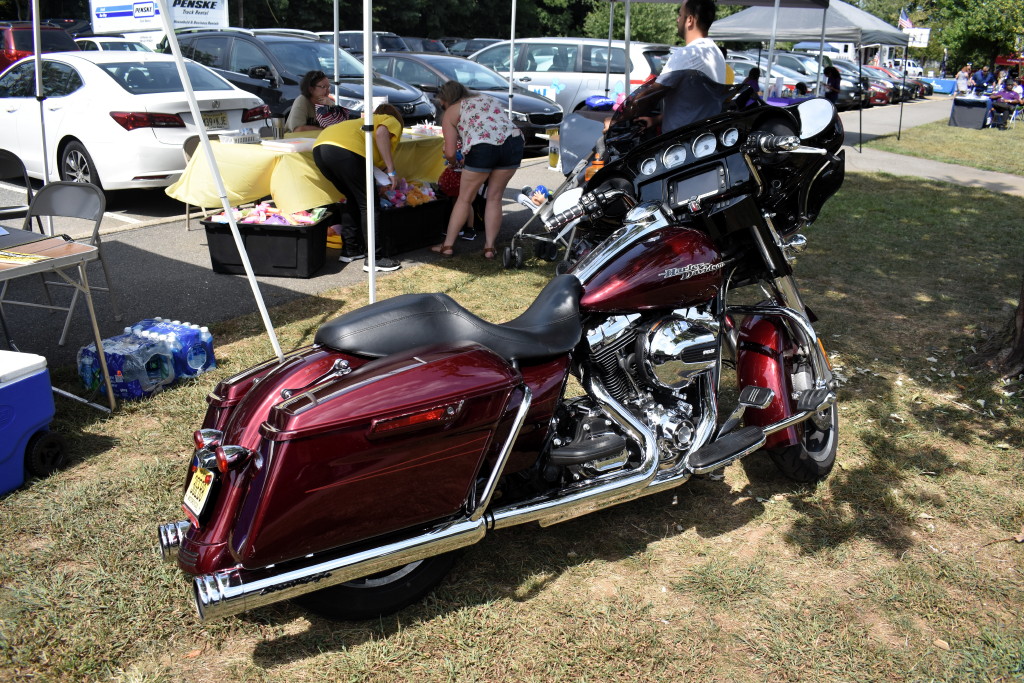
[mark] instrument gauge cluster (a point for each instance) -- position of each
(730, 137)
(649, 166)
(704, 145)
(674, 156)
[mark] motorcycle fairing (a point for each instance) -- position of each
(760, 361)
(329, 478)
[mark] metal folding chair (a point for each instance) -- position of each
(71, 200)
(11, 166)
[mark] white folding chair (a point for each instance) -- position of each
(70, 200)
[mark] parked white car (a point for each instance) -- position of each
(913, 68)
(569, 70)
(114, 119)
(100, 43)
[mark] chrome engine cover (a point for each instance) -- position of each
(676, 349)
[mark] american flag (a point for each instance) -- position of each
(905, 20)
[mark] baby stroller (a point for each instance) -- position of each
(578, 135)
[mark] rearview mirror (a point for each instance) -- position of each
(815, 116)
(259, 72)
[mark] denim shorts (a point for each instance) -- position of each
(484, 158)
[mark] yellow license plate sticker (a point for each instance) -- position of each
(198, 491)
(215, 119)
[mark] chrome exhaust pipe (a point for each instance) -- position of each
(232, 591)
(596, 494)
(171, 536)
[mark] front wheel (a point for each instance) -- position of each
(812, 458)
(77, 166)
(379, 594)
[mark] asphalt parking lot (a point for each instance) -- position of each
(162, 269)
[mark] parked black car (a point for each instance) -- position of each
(425, 45)
(465, 48)
(271, 65)
(531, 112)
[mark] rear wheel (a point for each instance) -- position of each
(77, 166)
(380, 594)
(46, 453)
(812, 458)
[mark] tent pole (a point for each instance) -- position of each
(821, 50)
(371, 189)
(899, 126)
(626, 67)
(860, 110)
(40, 96)
(204, 138)
(511, 58)
(771, 50)
(608, 62)
(337, 46)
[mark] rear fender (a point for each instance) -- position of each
(761, 361)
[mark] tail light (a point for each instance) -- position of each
(130, 120)
(231, 456)
(259, 113)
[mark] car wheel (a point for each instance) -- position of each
(77, 166)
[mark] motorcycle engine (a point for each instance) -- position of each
(658, 368)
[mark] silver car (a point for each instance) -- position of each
(569, 70)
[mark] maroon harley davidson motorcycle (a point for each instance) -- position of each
(349, 474)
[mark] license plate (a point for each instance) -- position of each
(198, 491)
(215, 119)
(551, 132)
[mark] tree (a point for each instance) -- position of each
(649, 22)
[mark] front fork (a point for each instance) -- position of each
(777, 348)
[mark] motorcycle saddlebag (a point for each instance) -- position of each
(393, 445)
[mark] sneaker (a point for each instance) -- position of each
(468, 235)
(383, 265)
(350, 257)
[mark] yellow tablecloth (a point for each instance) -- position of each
(251, 172)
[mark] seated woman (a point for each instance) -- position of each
(314, 109)
(752, 81)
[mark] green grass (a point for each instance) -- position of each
(988, 149)
(896, 567)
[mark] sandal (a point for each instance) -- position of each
(489, 253)
(445, 250)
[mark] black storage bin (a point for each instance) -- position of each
(414, 227)
(275, 250)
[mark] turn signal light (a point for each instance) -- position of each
(207, 438)
(259, 113)
(413, 421)
(231, 456)
(130, 120)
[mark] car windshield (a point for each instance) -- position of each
(124, 47)
(302, 56)
(470, 74)
(52, 41)
(657, 59)
(143, 78)
(391, 43)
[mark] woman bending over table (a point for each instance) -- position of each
(340, 154)
(493, 149)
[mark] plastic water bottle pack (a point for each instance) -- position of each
(148, 356)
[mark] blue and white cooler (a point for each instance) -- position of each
(26, 408)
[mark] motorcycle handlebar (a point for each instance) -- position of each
(590, 204)
(767, 143)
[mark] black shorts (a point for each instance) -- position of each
(484, 158)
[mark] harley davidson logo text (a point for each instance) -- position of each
(692, 269)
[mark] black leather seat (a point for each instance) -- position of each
(549, 327)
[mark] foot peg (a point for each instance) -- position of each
(729, 448)
(750, 397)
(815, 400)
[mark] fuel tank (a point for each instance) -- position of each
(672, 267)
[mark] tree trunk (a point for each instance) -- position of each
(1004, 351)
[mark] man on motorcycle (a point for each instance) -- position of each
(688, 77)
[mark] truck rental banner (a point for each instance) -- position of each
(132, 17)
